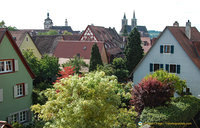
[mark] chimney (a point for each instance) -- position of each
(188, 29)
(176, 24)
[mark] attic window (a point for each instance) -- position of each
(27, 39)
(78, 55)
(84, 48)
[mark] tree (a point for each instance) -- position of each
(67, 33)
(10, 28)
(77, 63)
(50, 32)
(81, 102)
(95, 58)
(133, 50)
(120, 70)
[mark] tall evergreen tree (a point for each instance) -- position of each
(95, 58)
(133, 51)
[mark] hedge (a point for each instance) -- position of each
(176, 114)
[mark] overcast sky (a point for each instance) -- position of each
(154, 14)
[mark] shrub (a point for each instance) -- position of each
(150, 92)
(175, 81)
(180, 110)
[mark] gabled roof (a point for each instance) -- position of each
(190, 46)
(47, 43)
(107, 35)
(68, 49)
(4, 32)
(18, 36)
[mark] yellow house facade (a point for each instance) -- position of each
(25, 42)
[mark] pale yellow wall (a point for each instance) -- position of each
(104, 56)
(30, 45)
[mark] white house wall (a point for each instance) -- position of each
(188, 70)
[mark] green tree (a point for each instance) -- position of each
(67, 33)
(120, 70)
(133, 50)
(10, 28)
(107, 68)
(81, 102)
(50, 32)
(95, 58)
(76, 62)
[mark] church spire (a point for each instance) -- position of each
(124, 16)
(124, 20)
(134, 21)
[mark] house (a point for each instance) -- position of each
(16, 81)
(126, 29)
(177, 50)
(112, 41)
(66, 50)
(47, 43)
(24, 42)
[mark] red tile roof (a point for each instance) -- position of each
(190, 46)
(4, 32)
(72, 37)
(68, 49)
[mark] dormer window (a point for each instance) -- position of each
(167, 49)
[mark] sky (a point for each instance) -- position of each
(154, 14)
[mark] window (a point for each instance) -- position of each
(154, 67)
(173, 68)
(167, 49)
(21, 117)
(27, 39)
(6, 66)
(20, 90)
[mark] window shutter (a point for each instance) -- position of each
(15, 91)
(167, 67)
(16, 65)
(9, 119)
(1, 95)
(29, 115)
(151, 67)
(172, 49)
(161, 66)
(178, 69)
(26, 89)
(161, 48)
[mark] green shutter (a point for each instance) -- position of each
(161, 66)
(178, 69)
(167, 67)
(161, 48)
(172, 49)
(151, 67)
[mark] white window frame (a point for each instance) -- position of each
(20, 116)
(20, 90)
(5, 64)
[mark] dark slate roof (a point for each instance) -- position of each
(63, 28)
(47, 43)
(72, 37)
(142, 29)
(68, 49)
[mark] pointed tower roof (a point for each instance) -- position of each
(124, 15)
(134, 14)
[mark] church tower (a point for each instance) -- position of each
(124, 20)
(133, 21)
(48, 22)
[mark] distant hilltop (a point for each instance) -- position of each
(153, 33)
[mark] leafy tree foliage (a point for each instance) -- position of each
(81, 102)
(151, 93)
(163, 76)
(107, 68)
(133, 50)
(77, 63)
(50, 32)
(95, 58)
(120, 71)
(67, 33)
(10, 28)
